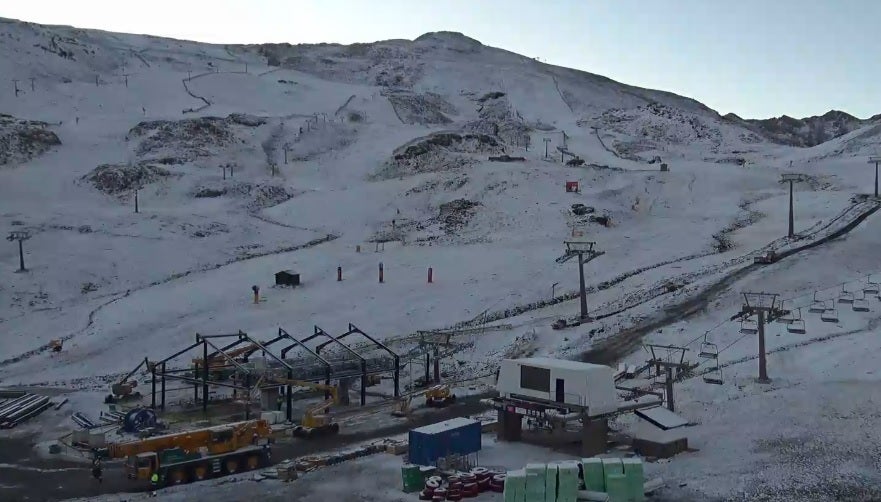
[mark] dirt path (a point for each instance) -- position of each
(93, 313)
(612, 349)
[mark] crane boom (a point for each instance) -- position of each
(218, 439)
(333, 390)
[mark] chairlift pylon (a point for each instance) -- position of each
(797, 325)
(817, 307)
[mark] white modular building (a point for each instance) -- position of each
(569, 383)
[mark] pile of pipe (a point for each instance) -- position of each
(18, 410)
(82, 420)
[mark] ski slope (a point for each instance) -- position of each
(119, 286)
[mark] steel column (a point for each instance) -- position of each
(791, 215)
(153, 388)
(163, 386)
(397, 375)
(581, 285)
(763, 368)
(363, 382)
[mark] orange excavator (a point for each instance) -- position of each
(197, 454)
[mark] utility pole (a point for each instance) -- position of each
(791, 178)
(137, 189)
(33, 87)
(875, 159)
(286, 146)
(546, 140)
(766, 307)
(125, 75)
(96, 80)
(20, 236)
(15, 84)
(580, 249)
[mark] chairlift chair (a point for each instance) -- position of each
(830, 314)
(749, 326)
(872, 288)
(709, 351)
(797, 325)
(714, 375)
(817, 307)
(860, 305)
(845, 296)
(787, 317)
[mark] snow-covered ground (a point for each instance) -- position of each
(119, 286)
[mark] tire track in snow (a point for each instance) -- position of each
(560, 93)
(173, 277)
(338, 110)
(45, 347)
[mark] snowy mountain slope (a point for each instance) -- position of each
(372, 158)
(810, 131)
(350, 132)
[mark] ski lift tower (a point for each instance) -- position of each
(791, 178)
(585, 253)
(767, 309)
(674, 360)
(20, 236)
(875, 159)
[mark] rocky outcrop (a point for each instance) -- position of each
(806, 132)
(180, 141)
(441, 151)
(424, 109)
(118, 179)
(22, 140)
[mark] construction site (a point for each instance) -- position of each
(423, 269)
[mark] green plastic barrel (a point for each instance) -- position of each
(412, 478)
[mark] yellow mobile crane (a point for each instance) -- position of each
(196, 454)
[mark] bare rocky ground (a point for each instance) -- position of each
(22, 140)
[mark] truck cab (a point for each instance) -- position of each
(142, 465)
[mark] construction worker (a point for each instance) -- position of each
(154, 483)
(97, 470)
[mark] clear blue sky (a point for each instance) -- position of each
(756, 58)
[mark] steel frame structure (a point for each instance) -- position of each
(301, 368)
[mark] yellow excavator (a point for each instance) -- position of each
(437, 396)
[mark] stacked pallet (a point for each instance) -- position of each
(609, 479)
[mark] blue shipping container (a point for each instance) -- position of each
(459, 436)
